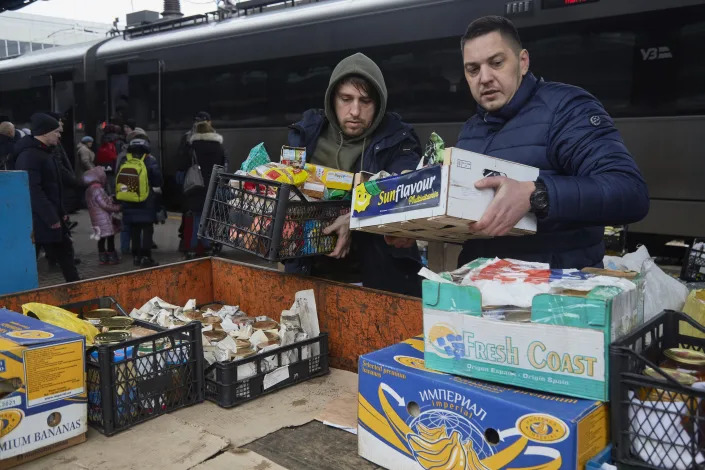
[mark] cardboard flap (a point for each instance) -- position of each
(452, 298)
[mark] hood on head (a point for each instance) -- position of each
(357, 64)
(95, 175)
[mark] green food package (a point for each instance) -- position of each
(336, 195)
(434, 150)
(258, 156)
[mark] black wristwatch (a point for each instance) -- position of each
(539, 200)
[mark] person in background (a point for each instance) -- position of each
(183, 153)
(101, 210)
(129, 126)
(34, 155)
(207, 146)
(111, 146)
(587, 178)
(356, 133)
(85, 153)
(141, 216)
(7, 145)
(126, 233)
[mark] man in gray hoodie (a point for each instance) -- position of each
(356, 133)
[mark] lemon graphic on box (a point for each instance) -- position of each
(363, 195)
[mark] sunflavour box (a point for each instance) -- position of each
(410, 417)
(436, 203)
(42, 387)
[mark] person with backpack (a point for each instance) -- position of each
(110, 147)
(133, 188)
(101, 210)
(206, 151)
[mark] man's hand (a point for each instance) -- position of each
(55, 226)
(510, 204)
(341, 226)
(399, 242)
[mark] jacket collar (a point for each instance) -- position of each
(208, 136)
(526, 90)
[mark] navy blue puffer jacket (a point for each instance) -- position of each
(591, 178)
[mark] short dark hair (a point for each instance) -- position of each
(131, 123)
(490, 24)
(362, 85)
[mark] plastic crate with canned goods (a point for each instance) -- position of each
(269, 219)
(142, 376)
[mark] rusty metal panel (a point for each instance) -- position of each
(357, 320)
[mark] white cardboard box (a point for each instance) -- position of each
(436, 203)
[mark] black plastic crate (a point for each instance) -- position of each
(260, 217)
(143, 378)
(655, 423)
(226, 387)
(694, 263)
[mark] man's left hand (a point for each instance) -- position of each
(399, 242)
(510, 204)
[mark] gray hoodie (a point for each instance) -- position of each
(333, 149)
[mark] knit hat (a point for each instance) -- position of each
(138, 146)
(201, 116)
(137, 132)
(43, 124)
(87, 139)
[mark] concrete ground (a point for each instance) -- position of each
(165, 236)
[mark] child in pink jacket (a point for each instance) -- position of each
(103, 212)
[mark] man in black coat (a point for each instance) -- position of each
(34, 155)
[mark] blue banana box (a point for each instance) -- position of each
(42, 387)
(412, 418)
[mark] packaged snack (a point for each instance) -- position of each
(337, 195)
(313, 187)
(332, 178)
(293, 156)
(281, 173)
(258, 156)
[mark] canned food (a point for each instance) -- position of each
(658, 394)
(215, 335)
(116, 323)
(265, 325)
(271, 336)
(112, 337)
(267, 344)
(686, 360)
(243, 344)
(95, 316)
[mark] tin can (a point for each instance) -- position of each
(265, 325)
(658, 394)
(95, 316)
(686, 360)
(215, 335)
(112, 337)
(116, 323)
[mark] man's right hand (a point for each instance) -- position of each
(55, 226)
(341, 227)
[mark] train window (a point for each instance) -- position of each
(21, 104)
(13, 48)
(305, 83)
(426, 81)
(690, 84)
(24, 47)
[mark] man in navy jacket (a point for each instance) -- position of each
(355, 133)
(587, 177)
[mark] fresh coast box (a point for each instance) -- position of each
(42, 387)
(436, 203)
(412, 418)
(557, 342)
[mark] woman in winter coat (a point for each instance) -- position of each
(207, 145)
(85, 153)
(102, 211)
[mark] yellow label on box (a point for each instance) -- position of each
(592, 435)
(54, 372)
